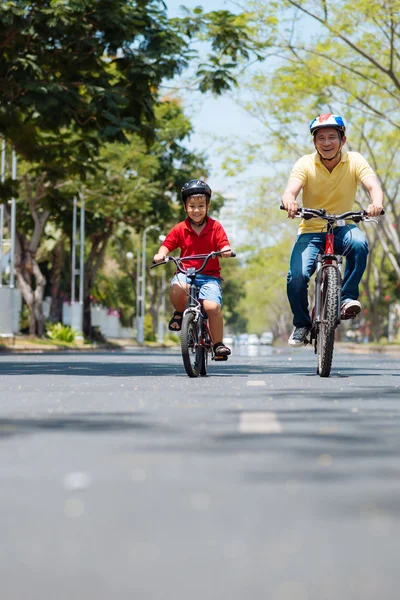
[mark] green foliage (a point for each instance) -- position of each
(60, 333)
(77, 74)
(320, 57)
(149, 333)
(233, 292)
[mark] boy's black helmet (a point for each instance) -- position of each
(195, 186)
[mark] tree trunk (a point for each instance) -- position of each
(30, 279)
(57, 271)
(28, 272)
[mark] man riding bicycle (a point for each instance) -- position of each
(328, 179)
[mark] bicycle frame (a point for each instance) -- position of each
(325, 260)
(196, 339)
(195, 307)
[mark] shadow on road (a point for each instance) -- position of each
(141, 368)
(85, 423)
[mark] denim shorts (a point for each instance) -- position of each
(210, 287)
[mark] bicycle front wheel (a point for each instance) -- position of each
(192, 351)
(206, 349)
(327, 326)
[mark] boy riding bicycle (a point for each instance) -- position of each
(328, 179)
(198, 234)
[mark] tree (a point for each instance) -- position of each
(77, 74)
(331, 56)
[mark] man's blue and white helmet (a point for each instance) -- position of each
(328, 120)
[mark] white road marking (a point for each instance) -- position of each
(256, 382)
(259, 422)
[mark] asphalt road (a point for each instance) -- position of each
(120, 477)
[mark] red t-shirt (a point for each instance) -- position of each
(212, 238)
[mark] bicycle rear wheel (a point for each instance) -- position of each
(192, 351)
(327, 326)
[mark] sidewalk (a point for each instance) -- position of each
(26, 344)
(368, 348)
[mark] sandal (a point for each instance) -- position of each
(220, 350)
(177, 320)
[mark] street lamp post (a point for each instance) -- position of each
(161, 314)
(77, 308)
(142, 295)
(130, 255)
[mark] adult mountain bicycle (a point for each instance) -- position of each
(196, 339)
(325, 315)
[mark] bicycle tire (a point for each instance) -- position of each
(204, 362)
(206, 349)
(191, 350)
(327, 326)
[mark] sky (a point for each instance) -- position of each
(212, 116)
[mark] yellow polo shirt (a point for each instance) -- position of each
(334, 191)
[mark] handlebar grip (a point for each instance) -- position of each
(233, 254)
(380, 214)
(282, 207)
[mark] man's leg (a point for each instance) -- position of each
(351, 242)
(302, 266)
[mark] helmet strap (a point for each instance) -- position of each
(333, 157)
(198, 224)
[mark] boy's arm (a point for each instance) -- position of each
(162, 252)
(226, 251)
(223, 244)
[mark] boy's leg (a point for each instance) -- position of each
(302, 266)
(178, 295)
(215, 320)
(211, 296)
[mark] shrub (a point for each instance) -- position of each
(61, 333)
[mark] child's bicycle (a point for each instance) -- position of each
(328, 286)
(196, 340)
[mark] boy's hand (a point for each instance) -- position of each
(226, 252)
(159, 258)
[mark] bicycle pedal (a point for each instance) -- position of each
(219, 358)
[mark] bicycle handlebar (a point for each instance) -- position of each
(310, 213)
(204, 257)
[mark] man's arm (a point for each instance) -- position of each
(374, 190)
(289, 196)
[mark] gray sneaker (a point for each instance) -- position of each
(349, 309)
(298, 337)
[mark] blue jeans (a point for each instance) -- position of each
(349, 241)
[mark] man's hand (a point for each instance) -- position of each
(289, 196)
(159, 257)
(374, 210)
(292, 207)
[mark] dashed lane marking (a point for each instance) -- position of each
(259, 422)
